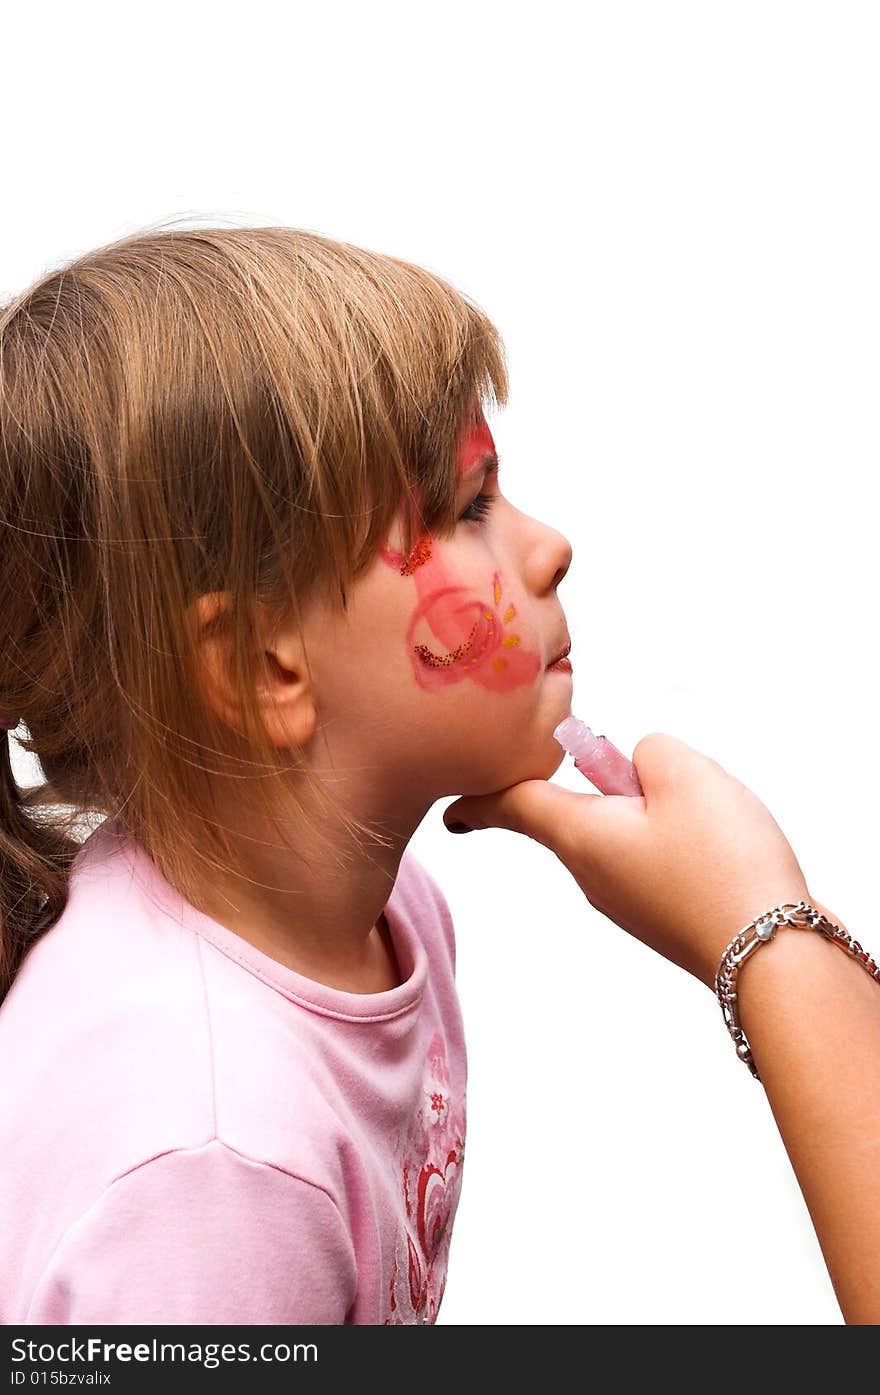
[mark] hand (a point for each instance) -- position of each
(682, 869)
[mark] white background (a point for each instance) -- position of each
(671, 212)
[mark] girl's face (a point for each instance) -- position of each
(437, 675)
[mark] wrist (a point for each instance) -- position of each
(707, 970)
(792, 985)
(797, 967)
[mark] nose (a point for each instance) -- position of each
(563, 557)
(548, 557)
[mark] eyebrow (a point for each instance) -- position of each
(487, 461)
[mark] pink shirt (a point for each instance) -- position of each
(190, 1132)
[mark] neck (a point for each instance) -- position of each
(324, 921)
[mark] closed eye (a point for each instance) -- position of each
(478, 509)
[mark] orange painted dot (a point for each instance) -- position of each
(509, 614)
(497, 593)
(500, 665)
(510, 640)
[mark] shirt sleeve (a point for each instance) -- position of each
(202, 1235)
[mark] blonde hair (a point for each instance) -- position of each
(237, 410)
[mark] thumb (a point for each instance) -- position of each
(539, 809)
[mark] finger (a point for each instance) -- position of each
(537, 808)
(661, 760)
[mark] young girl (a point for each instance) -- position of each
(263, 605)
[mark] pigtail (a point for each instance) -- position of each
(35, 861)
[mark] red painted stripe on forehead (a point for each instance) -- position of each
(477, 447)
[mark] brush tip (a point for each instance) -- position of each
(571, 733)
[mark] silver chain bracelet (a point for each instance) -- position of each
(804, 917)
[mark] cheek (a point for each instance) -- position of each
(459, 630)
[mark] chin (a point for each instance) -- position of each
(555, 757)
(530, 752)
(539, 763)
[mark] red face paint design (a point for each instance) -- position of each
(453, 634)
(477, 443)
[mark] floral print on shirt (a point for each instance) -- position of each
(430, 1161)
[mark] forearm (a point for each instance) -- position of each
(812, 1018)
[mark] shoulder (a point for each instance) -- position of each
(107, 1025)
(203, 1234)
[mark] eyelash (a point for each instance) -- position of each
(478, 509)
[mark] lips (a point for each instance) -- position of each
(563, 654)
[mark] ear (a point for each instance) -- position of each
(284, 690)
